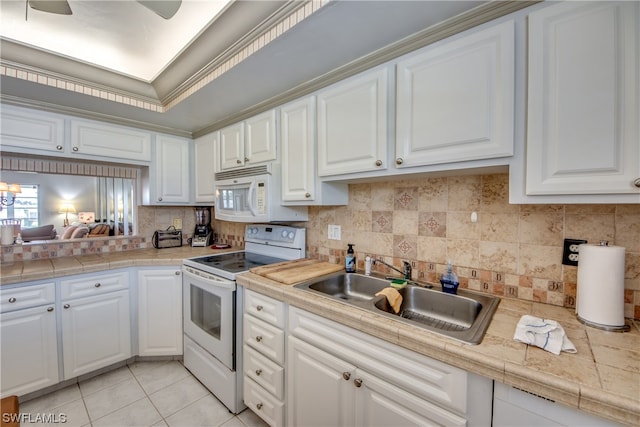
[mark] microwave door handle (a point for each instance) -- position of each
(252, 189)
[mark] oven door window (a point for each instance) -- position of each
(206, 311)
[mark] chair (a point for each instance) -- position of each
(16, 222)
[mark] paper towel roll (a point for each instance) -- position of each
(600, 296)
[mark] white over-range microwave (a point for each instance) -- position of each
(253, 195)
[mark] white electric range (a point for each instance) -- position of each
(213, 306)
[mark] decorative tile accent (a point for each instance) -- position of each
(406, 199)
(432, 224)
(382, 221)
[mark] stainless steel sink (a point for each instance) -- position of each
(349, 287)
(464, 317)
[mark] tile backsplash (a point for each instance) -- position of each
(512, 250)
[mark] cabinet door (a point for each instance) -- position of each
(456, 100)
(297, 136)
(172, 170)
(320, 387)
(98, 139)
(204, 155)
(352, 125)
(583, 99)
(31, 130)
(160, 312)
(29, 350)
(232, 146)
(379, 403)
(260, 138)
(95, 332)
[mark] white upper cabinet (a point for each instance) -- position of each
(171, 170)
(90, 139)
(297, 137)
(205, 158)
(250, 142)
(352, 124)
(30, 131)
(455, 99)
(583, 100)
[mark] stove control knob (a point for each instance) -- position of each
(291, 234)
(284, 233)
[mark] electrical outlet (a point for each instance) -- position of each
(177, 223)
(570, 252)
(333, 232)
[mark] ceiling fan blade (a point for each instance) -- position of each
(164, 8)
(60, 7)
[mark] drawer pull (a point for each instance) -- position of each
(346, 375)
(75, 148)
(378, 162)
(238, 161)
(66, 306)
(259, 308)
(12, 299)
(637, 182)
(50, 309)
(97, 285)
(358, 382)
(259, 406)
(258, 372)
(259, 338)
(59, 147)
(399, 161)
(177, 273)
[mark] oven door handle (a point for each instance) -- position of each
(211, 279)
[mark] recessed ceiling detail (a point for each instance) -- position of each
(213, 72)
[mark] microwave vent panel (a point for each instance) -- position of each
(243, 173)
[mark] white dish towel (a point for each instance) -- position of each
(543, 333)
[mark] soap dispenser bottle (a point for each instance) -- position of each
(350, 260)
(449, 280)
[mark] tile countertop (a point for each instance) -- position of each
(24, 271)
(602, 378)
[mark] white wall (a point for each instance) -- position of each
(56, 189)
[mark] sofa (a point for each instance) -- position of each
(44, 232)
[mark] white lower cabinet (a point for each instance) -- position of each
(264, 357)
(28, 339)
(96, 329)
(160, 312)
(337, 376)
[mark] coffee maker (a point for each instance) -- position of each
(203, 234)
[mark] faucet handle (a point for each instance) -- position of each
(406, 269)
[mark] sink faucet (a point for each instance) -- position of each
(406, 268)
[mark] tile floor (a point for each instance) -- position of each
(140, 394)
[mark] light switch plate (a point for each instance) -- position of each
(333, 232)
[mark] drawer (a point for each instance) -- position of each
(265, 338)
(94, 284)
(263, 404)
(268, 374)
(268, 309)
(27, 296)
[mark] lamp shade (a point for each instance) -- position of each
(4, 186)
(15, 188)
(67, 208)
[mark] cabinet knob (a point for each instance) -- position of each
(399, 161)
(246, 159)
(258, 372)
(259, 338)
(259, 406)
(177, 273)
(12, 299)
(75, 148)
(50, 309)
(259, 308)
(66, 306)
(637, 182)
(59, 147)
(159, 199)
(97, 285)
(346, 375)
(358, 382)
(378, 162)
(239, 161)
(307, 195)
